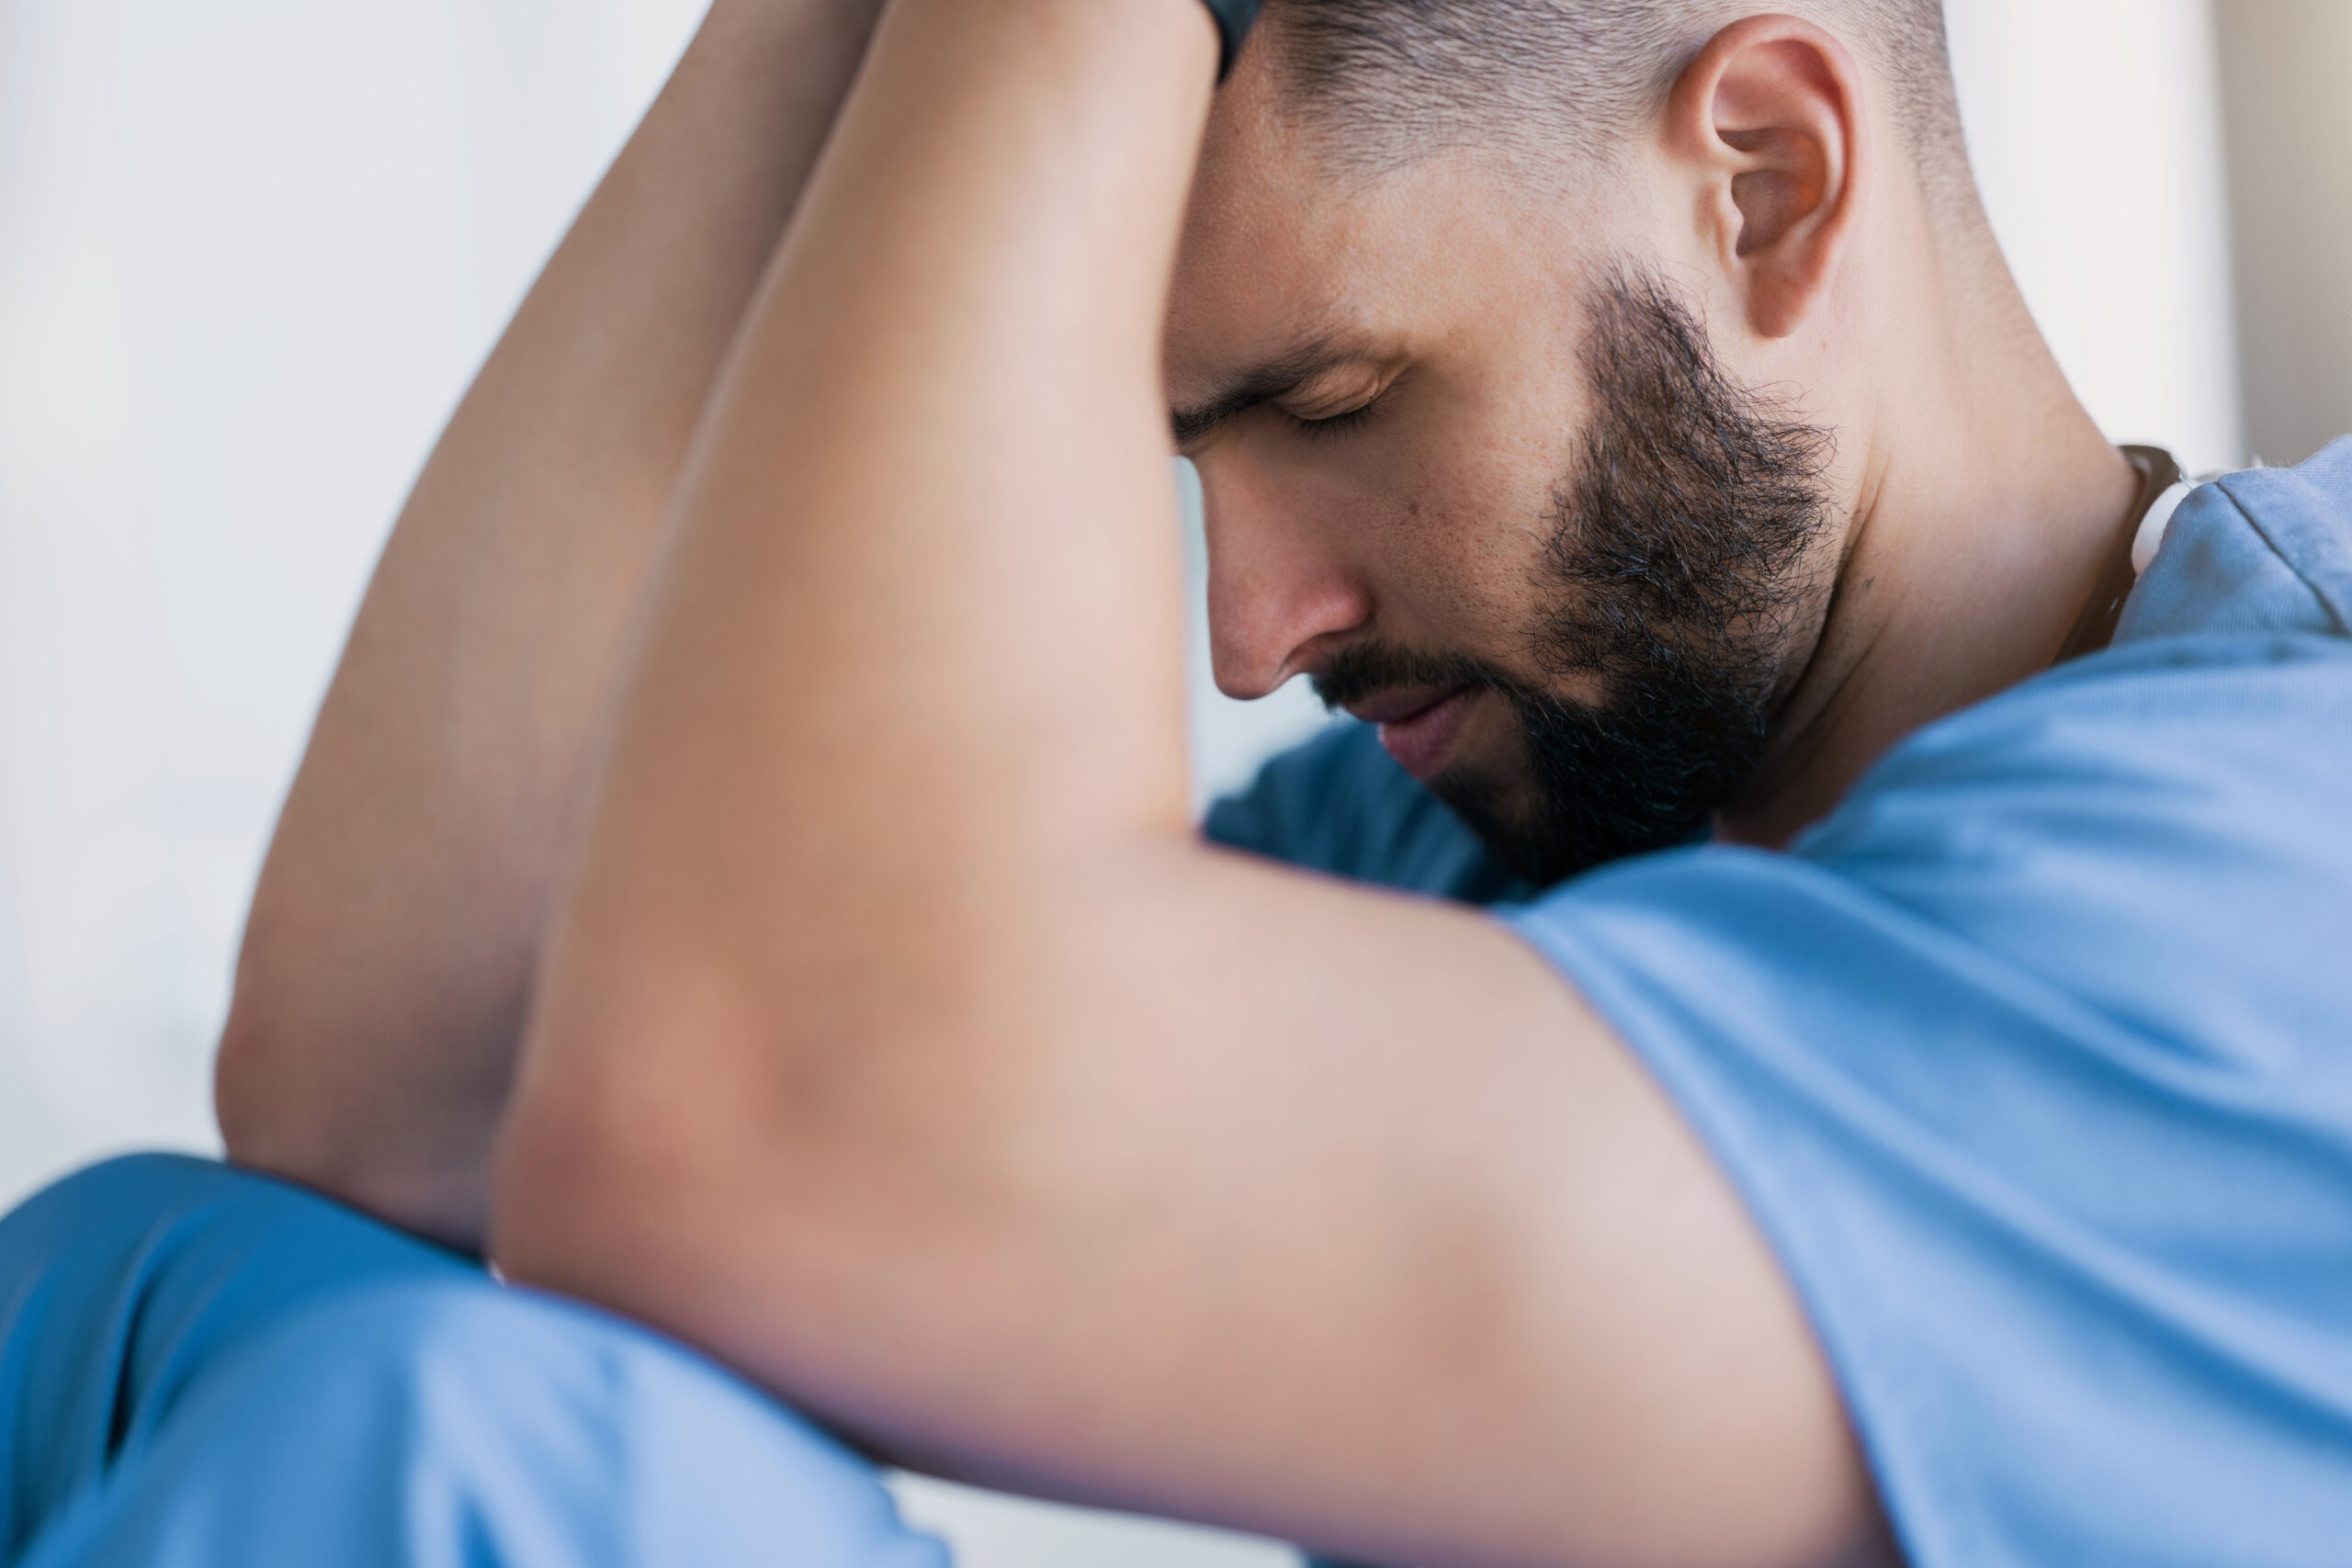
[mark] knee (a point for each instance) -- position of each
(142, 1182)
(101, 1211)
(155, 1266)
(545, 1417)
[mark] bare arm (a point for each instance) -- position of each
(385, 966)
(901, 1047)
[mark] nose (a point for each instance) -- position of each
(1279, 597)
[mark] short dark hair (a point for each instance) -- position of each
(1394, 80)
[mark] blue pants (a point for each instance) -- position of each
(203, 1369)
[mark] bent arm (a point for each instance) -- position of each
(899, 1044)
(382, 989)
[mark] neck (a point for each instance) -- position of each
(1983, 509)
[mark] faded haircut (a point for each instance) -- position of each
(1387, 82)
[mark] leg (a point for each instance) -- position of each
(199, 1367)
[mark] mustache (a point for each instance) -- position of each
(1363, 671)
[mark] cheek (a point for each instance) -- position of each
(1460, 549)
(1438, 517)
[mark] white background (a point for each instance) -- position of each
(251, 251)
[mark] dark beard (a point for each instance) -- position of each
(1675, 572)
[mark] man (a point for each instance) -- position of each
(1620, 408)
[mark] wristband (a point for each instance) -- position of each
(1234, 19)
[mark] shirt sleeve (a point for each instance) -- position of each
(1340, 804)
(2034, 1064)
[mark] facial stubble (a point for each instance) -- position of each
(1676, 572)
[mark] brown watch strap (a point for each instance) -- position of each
(2096, 628)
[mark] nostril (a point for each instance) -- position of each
(1256, 658)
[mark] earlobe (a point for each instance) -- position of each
(1769, 115)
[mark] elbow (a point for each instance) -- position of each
(564, 1216)
(267, 1097)
(294, 1101)
(611, 1161)
(256, 1096)
(675, 1162)
(637, 1212)
(806, 1249)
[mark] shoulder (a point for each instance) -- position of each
(2159, 831)
(2030, 1059)
(2268, 550)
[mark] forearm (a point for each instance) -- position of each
(922, 630)
(387, 963)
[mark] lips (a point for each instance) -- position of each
(1420, 730)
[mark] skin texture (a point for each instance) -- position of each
(895, 1040)
(1978, 500)
(388, 960)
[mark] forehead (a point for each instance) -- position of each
(1281, 245)
(1288, 246)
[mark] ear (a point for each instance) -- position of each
(1769, 119)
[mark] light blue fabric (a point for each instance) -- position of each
(201, 1368)
(1339, 804)
(2035, 1061)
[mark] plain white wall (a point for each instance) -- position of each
(2095, 130)
(250, 254)
(249, 251)
(2288, 65)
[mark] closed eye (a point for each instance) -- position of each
(1334, 425)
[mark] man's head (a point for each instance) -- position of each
(1390, 82)
(1521, 347)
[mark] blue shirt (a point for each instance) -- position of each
(2033, 1061)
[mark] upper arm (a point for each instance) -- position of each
(1245, 1195)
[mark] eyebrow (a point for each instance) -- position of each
(1256, 385)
